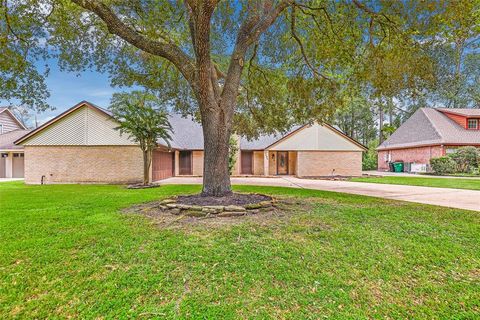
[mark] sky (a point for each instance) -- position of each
(68, 88)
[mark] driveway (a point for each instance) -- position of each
(10, 179)
(454, 198)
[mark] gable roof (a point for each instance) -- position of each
(187, 133)
(61, 116)
(428, 126)
(12, 115)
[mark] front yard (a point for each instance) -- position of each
(69, 251)
(456, 183)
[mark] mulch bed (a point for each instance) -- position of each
(236, 199)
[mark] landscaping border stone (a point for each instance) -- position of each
(171, 206)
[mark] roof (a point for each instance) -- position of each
(470, 112)
(7, 139)
(428, 126)
(187, 133)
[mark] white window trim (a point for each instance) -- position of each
(476, 124)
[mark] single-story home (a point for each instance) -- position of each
(429, 133)
(11, 155)
(81, 145)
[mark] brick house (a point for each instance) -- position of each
(11, 155)
(430, 133)
(82, 145)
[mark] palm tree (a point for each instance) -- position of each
(143, 118)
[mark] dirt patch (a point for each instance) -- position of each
(236, 199)
(283, 210)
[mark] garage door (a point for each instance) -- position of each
(162, 165)
(3, 165)
(17, 165)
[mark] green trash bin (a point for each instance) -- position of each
(398, 166)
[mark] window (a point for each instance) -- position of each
(1, 128)
(472, 124)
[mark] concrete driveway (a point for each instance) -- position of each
(10, 179)
(454, 198)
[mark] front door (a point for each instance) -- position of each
(185, 163)
(282, 162)
(246, 161)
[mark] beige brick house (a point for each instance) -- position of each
(81, 145)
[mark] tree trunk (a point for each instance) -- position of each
(147, 161)
(216, 135)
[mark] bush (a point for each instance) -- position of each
(443, 165)
(232, 153)
(466, 158)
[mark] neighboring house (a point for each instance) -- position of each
(11, 155)
(430, 133)
(82, 145)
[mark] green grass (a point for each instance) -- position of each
(67, 251)
(456, 183)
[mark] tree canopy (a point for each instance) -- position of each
(301, 67)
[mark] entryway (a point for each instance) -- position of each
(185, 163)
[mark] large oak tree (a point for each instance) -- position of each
(246, 66)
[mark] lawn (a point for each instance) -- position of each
(456, 183)
(68, 251)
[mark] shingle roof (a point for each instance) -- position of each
(188, 134)
(7, 139)
(470, 112)
(428, 126)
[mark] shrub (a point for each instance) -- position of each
(466, 158)
(232, 153)
(443, 165)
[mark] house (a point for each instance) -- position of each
(430, 133)
(82, 145)
(11, 155)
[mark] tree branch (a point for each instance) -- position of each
(302, 49)
(249, 33)
(167, 50)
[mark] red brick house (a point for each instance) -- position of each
(430, 133)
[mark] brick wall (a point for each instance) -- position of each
(417, 155)
(197, 163)
(258, 157)
(83, 164)
(322, 163)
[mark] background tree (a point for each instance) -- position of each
(143, 118)
(245, 66)
(232, 153)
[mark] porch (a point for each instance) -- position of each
(267, 163)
